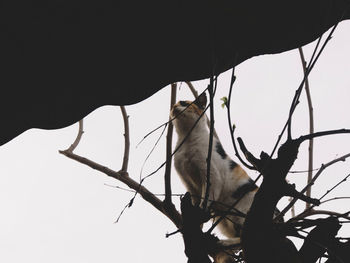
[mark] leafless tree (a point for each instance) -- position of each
(263, 236)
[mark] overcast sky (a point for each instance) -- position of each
(54, 209)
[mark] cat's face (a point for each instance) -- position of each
(187, 112)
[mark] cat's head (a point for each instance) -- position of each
(186, 113)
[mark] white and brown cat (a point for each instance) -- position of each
(228, 180)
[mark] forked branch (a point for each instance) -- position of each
(320, 171)
(311, 122)
(123, 177)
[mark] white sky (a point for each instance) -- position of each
(54, 209)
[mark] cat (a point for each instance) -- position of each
(228, 181)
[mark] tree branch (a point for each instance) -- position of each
(298, 91)
(164, 124)
(193, 90)
(323, 133)
(78, 138)
(312, 212)
(169, 141)
(335, 186)
(211, 137)
(231, 127)
(123, 177)
(311, 122)
(180, 144)
(126, 139)
(195, 95)
(323, 167)
(196, 243)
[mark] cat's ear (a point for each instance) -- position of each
(201, 101)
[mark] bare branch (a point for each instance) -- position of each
(176, 149)
(179, 144)
(169, 141)
(126, 139)
(167, 235)
(164, 124)
(195, 94)
(312, 212)
(193, 90)
(323, 167)
(298, 91)
(173, 214)
(335, 198)
(335, 186)
(78, 138)
(151, 151)
(306, 74)
(328, 191)
(311, 123)
(323, 133)
(211, 137)
(128, 205)
(231, 127)
(302, 172)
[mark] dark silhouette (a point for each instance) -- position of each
(62, 59)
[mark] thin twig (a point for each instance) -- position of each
(302, 171)
(222, 217)
(195, 95)
(236, 213)
(312, 212)
(179, 144)
(193, 90)
(126, 139)
(297, 94)
(133, 191)
(323, 133)
(311, 123)
(173, 215)
(167, 235)
(211, 137)
(335, 198)
(151, 151)
(177, 147)
(328, 191)
(78, 138)
(231, 128)
(315, 49)
(128, 205)
(323, 167)
(335, 186)
(306, 75)
(166, 123)
(169, 142)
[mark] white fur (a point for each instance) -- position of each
(191, 165)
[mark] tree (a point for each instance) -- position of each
(259, 147)
(261, 238)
